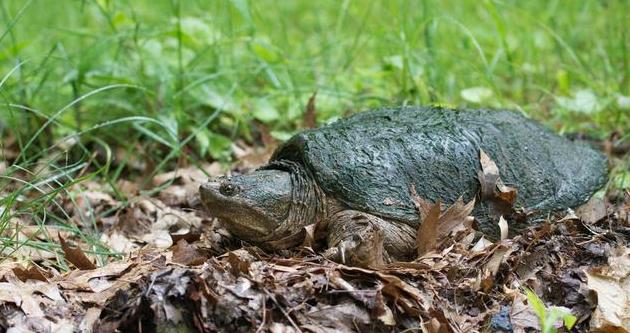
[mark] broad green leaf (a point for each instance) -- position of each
(243, 8)
(281, 135)
(198, 31)
(203, 141)
(395, 61)
(537, 304)
(476, 94)
(554, 314)
(207, 95)
(622, 180)
(219, 146)
(265, 111)
(569, 321)
(562, 77)
(583, 101)
(265, 51)
(70, 76)
(170, 124)
(121, 20)
(623, 102)
(541, 40)
(152, 47)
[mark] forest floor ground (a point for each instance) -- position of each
(175, 268)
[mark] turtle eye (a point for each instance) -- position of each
(228, 189)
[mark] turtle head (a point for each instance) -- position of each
(252, 206)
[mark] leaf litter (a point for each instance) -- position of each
(178, 268)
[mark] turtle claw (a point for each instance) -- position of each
(363, 248)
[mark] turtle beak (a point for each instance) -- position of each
(210, 194)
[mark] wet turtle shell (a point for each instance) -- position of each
(370, 161)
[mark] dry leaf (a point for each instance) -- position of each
(33, 272)
(490, 269)
(455, 216)
(436, 226)
(189, 175)
(30, 296)
(432, 326)
(481, 245)
(382, 311)
(177, 195)
(427, 236)
(128, 188)
(190, 236)
(40, 232)
(592, 211)
(491, 184)
(91, 316)
(183, 184)
(309, 235)
(81, 279)
(623, 211)
(119, 242)
(611, 284)
(488, 176)
(88, 201)
(339, 318)
(310, 115)
(76, 256)
(238, 265)
(150, 221)
(422, 206)
(503, 226)
(506, 194)
(22, 297)
(187, 254)
(21, 233)
(397, 288)
(253, 157)
(500, 196)
(282, 328)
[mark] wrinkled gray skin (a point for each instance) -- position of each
(354, 176)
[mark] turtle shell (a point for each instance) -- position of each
(370, 161)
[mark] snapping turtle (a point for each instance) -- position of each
(354, 177)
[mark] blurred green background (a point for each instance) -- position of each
(189, 77)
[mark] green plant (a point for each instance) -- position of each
(549, 316)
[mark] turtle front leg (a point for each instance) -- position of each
(360, 239)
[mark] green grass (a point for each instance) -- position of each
(170, 81)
